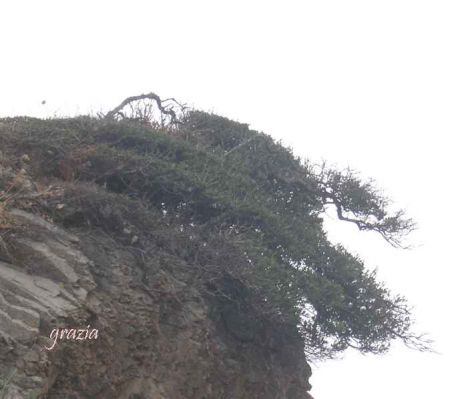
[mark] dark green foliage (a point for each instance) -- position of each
(252, 210)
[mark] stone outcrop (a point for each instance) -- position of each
(77, 256)
(156, 336)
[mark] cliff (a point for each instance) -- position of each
(95, 237)
(180, 259)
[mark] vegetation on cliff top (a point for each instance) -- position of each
(238, 196)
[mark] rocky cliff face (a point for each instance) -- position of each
(159, 334)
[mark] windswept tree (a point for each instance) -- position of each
(275, 200)
(252, 212)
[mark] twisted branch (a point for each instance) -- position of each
(150, 96)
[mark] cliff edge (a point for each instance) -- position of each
(180, 259)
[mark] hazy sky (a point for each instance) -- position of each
(381, 86)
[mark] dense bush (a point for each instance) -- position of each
(246, 199)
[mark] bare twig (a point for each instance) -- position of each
(166, 110)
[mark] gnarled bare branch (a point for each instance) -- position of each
(166, 110)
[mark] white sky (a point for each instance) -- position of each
(381, 86)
